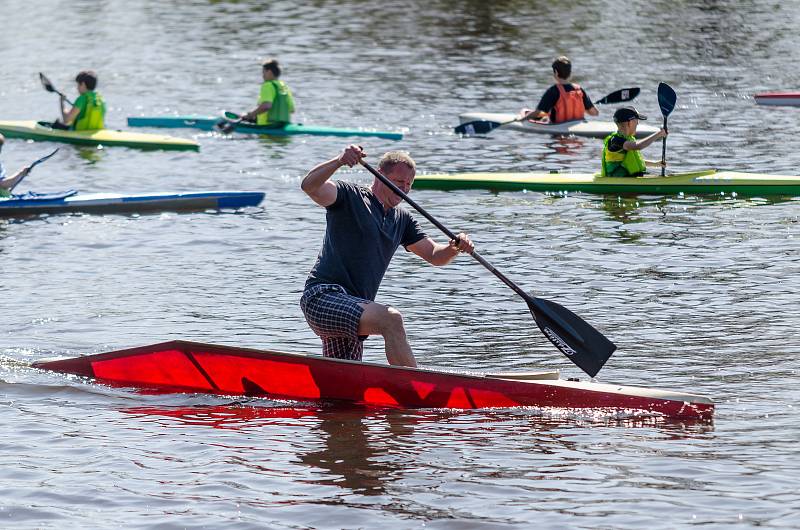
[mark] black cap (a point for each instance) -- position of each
(628, 113)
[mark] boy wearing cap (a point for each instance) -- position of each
(622, 155)
(275, 101)
(563, 101)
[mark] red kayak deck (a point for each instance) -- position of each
(184, 366)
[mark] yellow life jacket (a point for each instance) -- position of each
(92, 112)
(622, 163)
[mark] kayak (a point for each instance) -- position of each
(182, 366)
(71, 201)
(701, 182)
(207, 123)
(590, 129)
(41, 131)
(791, 99)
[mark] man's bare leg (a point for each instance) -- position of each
(387, 321)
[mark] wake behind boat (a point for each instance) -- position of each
(209, 123)
(42, 131)
(183, 366)
(71, 201)
(589, 129)
(700, 182)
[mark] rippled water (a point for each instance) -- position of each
(699, 293)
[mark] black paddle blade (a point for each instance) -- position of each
(620, 96)
(577, 339)
(477, 127)
(46, 83)
(666, 99)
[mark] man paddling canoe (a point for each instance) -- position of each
(622, 155)
(89, 110)
(563, 101)
(275, 101)
(364, 228)
(7, 183)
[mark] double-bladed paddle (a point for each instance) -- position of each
(484, 126)
(50, 88)
(577, 339)
(666, 100)
(30, 168)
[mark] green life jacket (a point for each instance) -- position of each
(282, 105)
(93, 110)
(622, 163)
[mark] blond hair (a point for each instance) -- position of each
(389, 160)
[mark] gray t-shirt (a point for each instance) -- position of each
(360, 241)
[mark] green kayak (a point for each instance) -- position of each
(700, 182)
(32, 130)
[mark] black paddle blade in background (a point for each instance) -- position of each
(620, 96)
(666, 99)
(580, 342)
(46, 83)
(477, 127)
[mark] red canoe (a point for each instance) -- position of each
(791, 99)
(182, 366)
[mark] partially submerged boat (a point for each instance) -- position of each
(787, 99)
(699, 182)
(209, 123)
(590, 129)
(71, 201)
(42, 131)
(183, 366)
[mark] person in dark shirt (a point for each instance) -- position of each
(563, 101)
(622, 155)
(364, 228)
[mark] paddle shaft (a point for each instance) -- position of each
(30, 168)
(443, 228)
(664, 151)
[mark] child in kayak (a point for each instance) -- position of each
(564, 101)
(622, 155)
(88, 111)
(275, 101)
(7, 183)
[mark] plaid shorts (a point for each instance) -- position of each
(334, 316)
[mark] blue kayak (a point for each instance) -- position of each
(71, 201)
(208, 123)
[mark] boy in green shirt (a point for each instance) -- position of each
(89, 110)
(275, 102)
(622, 155)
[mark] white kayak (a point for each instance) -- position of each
(590, 129)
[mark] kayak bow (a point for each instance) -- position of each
(701, 182)
(71, 201)
(789, 99)
(32, 130)
(182, 366)
(590, 129)
(208, 123)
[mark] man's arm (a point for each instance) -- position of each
(440, 254)
(316, 183)
(9, 182)
(68, 116)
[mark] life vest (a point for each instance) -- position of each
(92, 112)
(569, 105)
(282, 104)
(622, 163)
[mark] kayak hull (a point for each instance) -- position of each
(589, 129)
(701, 182)
(110, 203)
(789, 99)
(195, 367)
(207, 123)
(32, 130)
